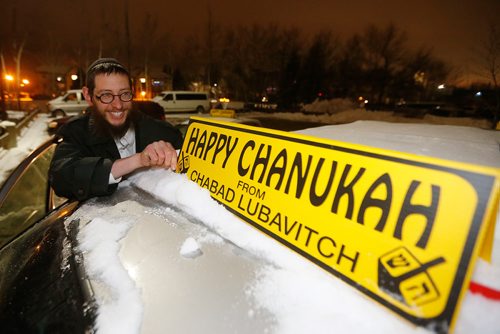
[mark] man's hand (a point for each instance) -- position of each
(159, 153)
(156, 154)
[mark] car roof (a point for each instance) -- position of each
(190, 290)
(457, 143)
(192, 277)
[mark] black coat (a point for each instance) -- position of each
(82, 163)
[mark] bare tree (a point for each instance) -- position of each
(127, 33)
(421, 75)
(52, 58)
(318, 66)
(489, 53)
(148, 35)
(349, 69)
(18, 49)
(384, 55)
(3, 109)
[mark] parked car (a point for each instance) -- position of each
(183, 101)
(70, 103)
(39, 287)
(150, 108)
(417, 109)
(53, 251)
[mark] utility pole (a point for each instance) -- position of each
(3, 110)
(209, 46)
(127, 34)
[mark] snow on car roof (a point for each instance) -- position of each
(458, 143)
(289, 293)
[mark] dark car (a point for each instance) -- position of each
(32, 239)
(150, 108)
(179, 271)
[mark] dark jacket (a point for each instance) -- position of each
(82, 163)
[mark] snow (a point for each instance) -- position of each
(351, 115)
(28, 140)
(190, 248)
(331, 304)
(323, 304)
(458, 143)
(99, 240)
(327, 304)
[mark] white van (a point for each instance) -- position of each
(183, 101)
(70, 103)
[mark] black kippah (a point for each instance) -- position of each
(105, 62)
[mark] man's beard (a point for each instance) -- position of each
(103, 128)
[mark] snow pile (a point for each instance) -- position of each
(120, 309)
(352, 115)
(7, 123)
(16, 114)
(178, 191)
(333, 106)
(190, 248)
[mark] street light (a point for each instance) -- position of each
(9, 78)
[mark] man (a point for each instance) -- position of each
(110, 142)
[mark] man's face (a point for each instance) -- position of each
(116, 112)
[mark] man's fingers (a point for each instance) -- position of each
(161, 153)
(153, 157)
(173, 161)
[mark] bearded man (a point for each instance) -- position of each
(112, 141)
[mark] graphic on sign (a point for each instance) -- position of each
(183, 162)
(404, 277)
(403, 229)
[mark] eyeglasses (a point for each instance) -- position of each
(107, 98)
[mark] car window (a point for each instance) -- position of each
(26, 202)
(168, 97)
(191, 97)
(71, 97)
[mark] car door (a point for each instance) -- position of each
(26, 196)
(74, 103)
(168, 103)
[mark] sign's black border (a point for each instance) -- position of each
(483, 184)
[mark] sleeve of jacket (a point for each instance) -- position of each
(74, 172)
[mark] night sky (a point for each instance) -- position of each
(452, 28)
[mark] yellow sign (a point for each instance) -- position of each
(403, 229)
(223, 113)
